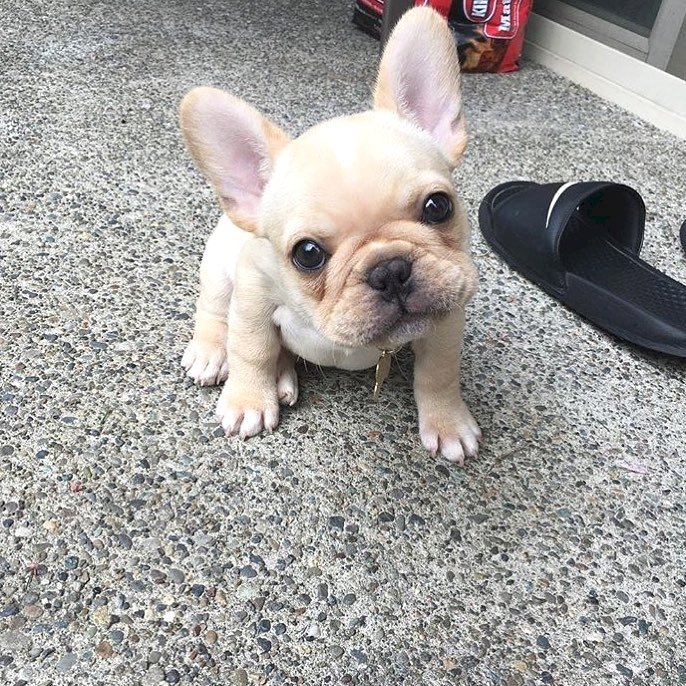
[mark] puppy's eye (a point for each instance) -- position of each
(438, 208)
(308, 256)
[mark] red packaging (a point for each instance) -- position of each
(489, 33)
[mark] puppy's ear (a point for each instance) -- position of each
(419, 79)
(234, 146)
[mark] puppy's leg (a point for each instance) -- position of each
(249, 400)
(205, 357)
(445, 423)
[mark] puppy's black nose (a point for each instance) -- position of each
(391, 278)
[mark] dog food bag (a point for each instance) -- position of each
(489, 33)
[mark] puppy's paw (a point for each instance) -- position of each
(247, 412)
(205, 362)
(451, 431)
(287, 380)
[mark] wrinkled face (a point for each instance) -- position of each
(371, 232)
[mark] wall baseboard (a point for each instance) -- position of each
(652, 94)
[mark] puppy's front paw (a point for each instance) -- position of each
(451, 430)
(205, 361)
(247, 411)
(286, 379)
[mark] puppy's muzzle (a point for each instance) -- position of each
(392, 278)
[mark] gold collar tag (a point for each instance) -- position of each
(383, 367)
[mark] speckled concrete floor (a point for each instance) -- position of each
(140, 546)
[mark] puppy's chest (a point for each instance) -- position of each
(306, 342)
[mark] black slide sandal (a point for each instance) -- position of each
(580, 242)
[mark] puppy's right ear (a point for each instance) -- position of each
(419, 79)
(234, 146)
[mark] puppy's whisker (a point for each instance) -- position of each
(400, 369)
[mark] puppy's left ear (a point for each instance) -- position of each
(419, 79)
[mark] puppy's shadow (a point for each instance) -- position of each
(350, 393)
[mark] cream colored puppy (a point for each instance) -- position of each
(344, 242)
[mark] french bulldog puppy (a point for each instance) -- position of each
(340, 244)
